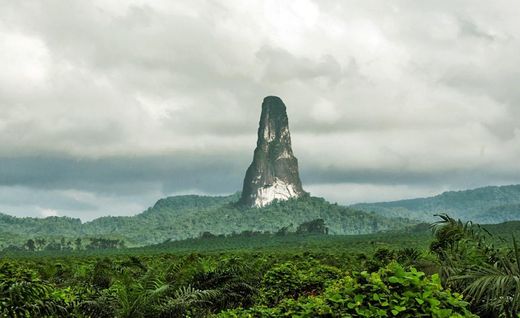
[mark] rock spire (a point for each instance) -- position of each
(273, 174)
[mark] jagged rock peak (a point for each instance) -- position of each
(273, 174)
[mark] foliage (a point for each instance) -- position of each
(391, 292)
(258, 274)
(181, 285)
(290, 280)
(23, 294)
(470, 263)
(312, 227)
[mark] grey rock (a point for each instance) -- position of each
(273, 174)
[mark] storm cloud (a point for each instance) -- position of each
(106, 106)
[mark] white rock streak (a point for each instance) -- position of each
(279, 190)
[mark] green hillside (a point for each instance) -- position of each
(182, 217)
(482, 205)
(187, 216)
(14, 230)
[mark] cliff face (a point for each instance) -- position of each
(273, 174)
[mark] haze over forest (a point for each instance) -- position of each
(106, 107)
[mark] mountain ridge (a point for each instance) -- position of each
(185, 216)
(181, 217)
(232, 198)
(477, 205)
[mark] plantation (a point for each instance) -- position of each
(459, 271)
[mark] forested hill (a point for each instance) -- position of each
(15, 230)
(483, 205)
(182, 217)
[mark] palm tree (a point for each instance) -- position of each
(495, 287)
(149, 296)
(228, 283)
(24, 294)
(459, 245)
(184, 300)
(488, 277)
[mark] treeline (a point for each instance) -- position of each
(314, 227)
(42, 244)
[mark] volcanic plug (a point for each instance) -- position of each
(273, 174)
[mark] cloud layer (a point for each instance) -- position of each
(105, 106)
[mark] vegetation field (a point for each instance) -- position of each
(458, 270)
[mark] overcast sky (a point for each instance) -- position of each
(106, 107)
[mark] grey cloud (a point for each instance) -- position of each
(470, 28)
(456, 178)
(37, 202)
(282, 66)
(27, 196)
(125, 175)
(120, 103)
(89, 188)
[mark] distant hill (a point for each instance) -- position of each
(14, 230)
(182, 217)
(188, 216)
(483, 205)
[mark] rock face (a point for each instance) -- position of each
(273, 174)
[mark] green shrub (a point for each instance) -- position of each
(391, 292)
(289, 280)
